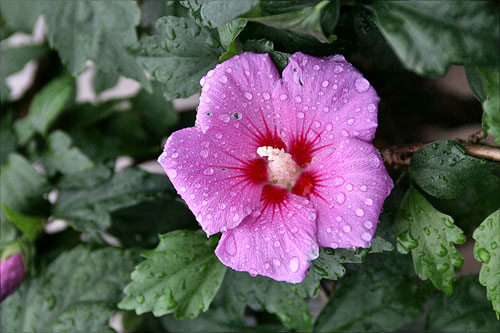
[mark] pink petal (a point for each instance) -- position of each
(236, 100)
(325, 97)
(277, 242)
(213, 174)
(351, 188)
(11, 274)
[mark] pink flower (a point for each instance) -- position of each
(11, 274)
(281, 166)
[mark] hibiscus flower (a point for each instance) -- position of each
(281, 165)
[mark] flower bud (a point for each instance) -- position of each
(12, 272)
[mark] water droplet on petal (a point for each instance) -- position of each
(368, 224)
(223, 79)
(316, 67)
(366, 236)
(346, 228)
(276, 262)
(266, 95)
(338, 69)
(360, 212)
(350, 121)
(231, 245)
(277, 244)
(300, 115)
(337, 181)
(172, 173)
(298, 99)
(294, 264)
(236, 217)
(368, 201)
(325, 84)
(361, 85)
(248, 96)
(283, 97)
(208, 171)
(218, 136)
(340, 198)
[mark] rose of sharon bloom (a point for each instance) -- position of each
(11, 274)
(281, 166)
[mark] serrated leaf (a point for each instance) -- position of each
(485, 85)
(380, 296)
(88, 209)
(179, 55)
(329, 264)
(22, 190)
(307, 20)
(45, 108)
(14, 59)
(428, 36)
(467, 310)
(430, 236)
(230, 31)
(77, 292)
(97, 30)
(29, 225)
(20, 16)
(62, 156)
(181, 276)
(487, 251)
(279, 298)
(443, 169)
(214, 13)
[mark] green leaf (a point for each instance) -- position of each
(280, 59)
(104, 80)
(77, 292)
(230, 31)
(8, 140)
(467, 310)
(443, 169)
(22, 190)
(214, 13)
(329, 264)
(159, 115)
(88, 208)
(485, 85)
(15, 58)
(29, 225)
(473, 204)
(279, 298)
(487, 251)
(430, 236)
(380, 296)
(162, 215)
(307, 20)
(45, 108)
(428, 36)
(61, 156)
(179, 55)
(228, 34)
(20, 15)
(329, 18)
(97, 30)
(181, 276)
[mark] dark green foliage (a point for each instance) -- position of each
(77, 292)
(380, 296)
(443, 169)
(180, 276)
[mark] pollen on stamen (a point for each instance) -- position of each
(282, 168)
